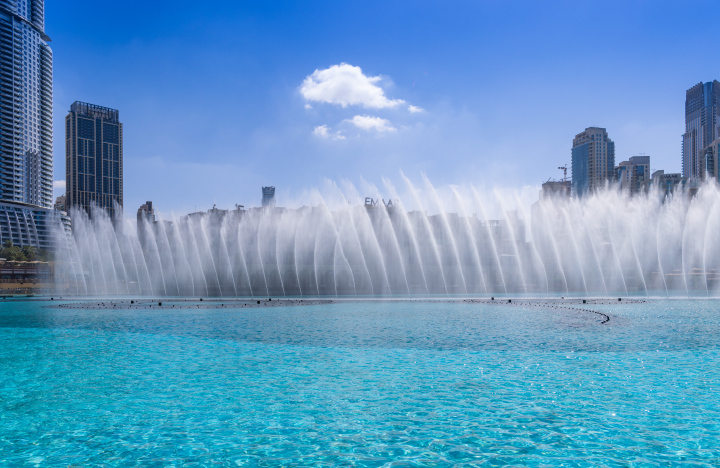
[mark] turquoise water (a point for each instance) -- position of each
(361, 384)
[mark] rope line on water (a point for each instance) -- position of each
(509, 302)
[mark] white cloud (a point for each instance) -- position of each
(58, 185)
(367, 122)
(346, 85)
(323, 131)
(308, 106)
(415, 109)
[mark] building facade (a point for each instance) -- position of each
(268, 196)
(61, 203)
(710, 160)
(593, 160)
(26, 112)
(556, 188)
(633, 173)
(25, 224)
(702, 126)
(94, 158)
(666, 183)
(146, 213)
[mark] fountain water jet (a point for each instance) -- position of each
(605, 243)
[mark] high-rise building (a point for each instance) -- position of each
(94, 158)
(667, 183)
(268, 196)
(631, 174)
(26, 113)
(593, 160)
(60, 203)
(555, 188)
(146, 213)
(710, 159)
(702, 126)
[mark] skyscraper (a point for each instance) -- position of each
(93, 157)
(26, 169)
(268, 196)
(702, 126)
(593, 160)
(633, 173)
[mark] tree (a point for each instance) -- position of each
(30, 253)
(12, 252)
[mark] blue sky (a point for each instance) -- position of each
(213, 105)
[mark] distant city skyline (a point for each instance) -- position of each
(220, 101)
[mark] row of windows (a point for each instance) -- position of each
(111, 151)
(106, 185)
(85, 147)
(86, 129)
(111, 169)
(87, 166)
(89, 198)
(111, 186)
(111, 133)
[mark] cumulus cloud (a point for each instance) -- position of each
(346, 85)
(415, 109)
(308, 106)
(58, 185)
(323, 131)
(368, 123)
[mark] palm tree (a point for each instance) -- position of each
(30, 252)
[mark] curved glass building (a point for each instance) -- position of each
(26, 170)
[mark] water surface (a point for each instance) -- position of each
(361, 384)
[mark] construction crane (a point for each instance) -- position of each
(564, 169)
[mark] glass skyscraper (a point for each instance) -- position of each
(702, 126)
(593, 160)
(26, 169)
(268, 196)
(94, 158)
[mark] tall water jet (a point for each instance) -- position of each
(408, 242)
